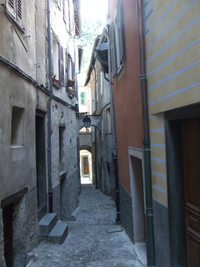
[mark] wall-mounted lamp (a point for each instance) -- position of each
(86, 122)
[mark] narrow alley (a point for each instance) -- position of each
(93, 237)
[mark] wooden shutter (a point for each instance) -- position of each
(11, 4)
(73, 75)
(61, 67)
(19, 9)
(64, 11)
(11, 7)
(119, 22)
(52, 72)
(112, 49)
(59, 4)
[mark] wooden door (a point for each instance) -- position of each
(191, 161)
(86, 165)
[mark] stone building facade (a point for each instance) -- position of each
(102, 138)
(25, 91)
(172, 60)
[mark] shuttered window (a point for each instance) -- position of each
(116, 41)
(59, 4)
(112, 49)
(58, 66)
(119, 35)
(11, 3)
(70, 72)
(15, 8)
(61, 66)
(19, 9)
(82, 94)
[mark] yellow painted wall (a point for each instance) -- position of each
(173, 73)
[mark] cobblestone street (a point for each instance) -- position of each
(94, 240)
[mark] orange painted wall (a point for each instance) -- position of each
(127, 92)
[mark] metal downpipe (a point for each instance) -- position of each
(50, 192)
(146, 141)
(115, 158)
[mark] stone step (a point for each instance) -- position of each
(59, 233)
(47, 223)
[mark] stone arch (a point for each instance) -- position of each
(85, 147)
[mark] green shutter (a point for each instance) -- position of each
(82, 98)
(112, 49)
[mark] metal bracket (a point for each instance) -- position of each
(143, 77)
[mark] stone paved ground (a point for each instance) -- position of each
(93, 240)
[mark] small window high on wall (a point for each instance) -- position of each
(82, 96)
(17, 126)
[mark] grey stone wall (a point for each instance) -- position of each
(56, 200)
(126, 213)
(2, 261)
(69, 195)
(161, 233)
(25, 227)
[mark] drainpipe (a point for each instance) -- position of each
(115, 158)
(50, 192)
(96, 150)
(146, 141)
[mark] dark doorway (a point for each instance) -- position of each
(40, 163)
(191, 164)
(8, 234)
(183, 168)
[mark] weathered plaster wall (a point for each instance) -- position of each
(104, 141)
(85, 139)
(17, 167)
(127, 92)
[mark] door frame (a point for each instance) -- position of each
(41, 177)
(175, 181)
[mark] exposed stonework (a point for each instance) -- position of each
(2, 260)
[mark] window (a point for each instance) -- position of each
(59, 4)
(116, 41)
(101, 84)
(70, 73)
(82, 97)
(58, 64)
(61, 133)
(17, 126)
(108, 121)
(66, 14)
(93, 102)
(15, 8)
